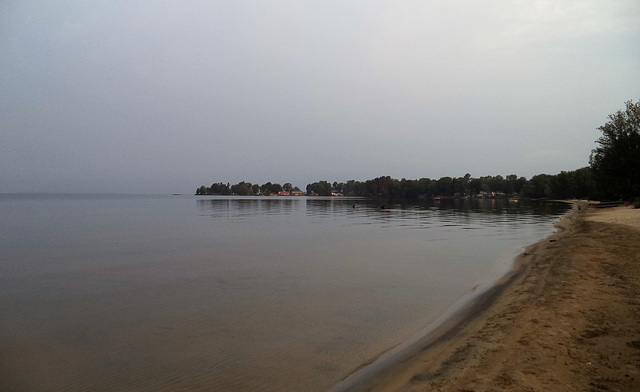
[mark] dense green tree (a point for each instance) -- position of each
(444, 186)
(513, 184)
(538, 187)
(616, 160)
(409, 188)
(265, 189)
(475, 186)
(354, 188)
(383, 186)
(559, 186)
(322, 188)
(581, 183)
(423, 187)
(565, 185)
(275, 188)
(496, 184)
(242, 189)
(219, 189)
(462, 185)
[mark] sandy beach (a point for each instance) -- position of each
(568, 319)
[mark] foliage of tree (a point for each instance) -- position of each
(616, 160)
(214, 189)
(320, 188)
(573, 184)
(265, 189)
(242, 189)
(565, 185)
(220, 189)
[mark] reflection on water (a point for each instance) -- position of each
(237, 208)
(221, 293)
(456, 212)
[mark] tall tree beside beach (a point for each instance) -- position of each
(616, 161)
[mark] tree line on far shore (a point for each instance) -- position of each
(564, 185)
(247, 189)
(573, 184)
(613, 174)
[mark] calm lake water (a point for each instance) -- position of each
(137, 293)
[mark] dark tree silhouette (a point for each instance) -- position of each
(616, 160)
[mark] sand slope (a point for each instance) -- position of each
(570, 322)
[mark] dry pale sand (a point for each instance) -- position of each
(570, 321)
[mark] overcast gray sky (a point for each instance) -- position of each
(164, 96)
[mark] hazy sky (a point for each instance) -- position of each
(164, 96)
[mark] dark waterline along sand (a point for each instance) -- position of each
(448, 327)
(566, 319)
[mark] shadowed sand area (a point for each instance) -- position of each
(568, 319)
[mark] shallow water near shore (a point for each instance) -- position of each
(131, 293)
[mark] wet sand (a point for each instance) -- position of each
(567, 319)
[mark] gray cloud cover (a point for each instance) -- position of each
(163, 96)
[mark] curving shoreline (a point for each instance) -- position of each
(565, 318)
